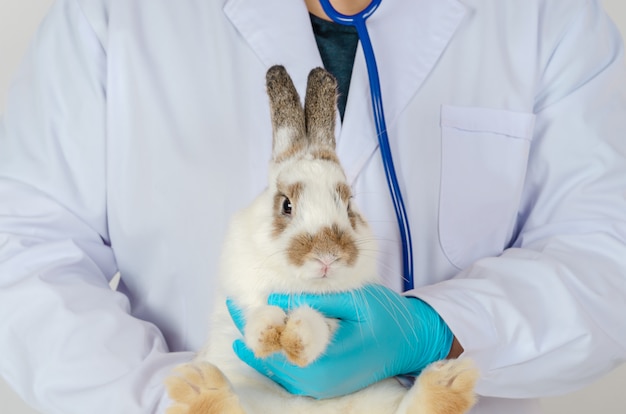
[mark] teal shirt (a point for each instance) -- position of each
(337, 45)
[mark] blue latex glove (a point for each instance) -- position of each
(381, 334)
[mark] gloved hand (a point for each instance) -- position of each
(380, 334)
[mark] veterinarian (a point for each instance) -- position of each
(134, 130)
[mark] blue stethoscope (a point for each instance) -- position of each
(358, 21)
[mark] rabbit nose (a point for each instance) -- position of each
(326, 261)
(328, 258)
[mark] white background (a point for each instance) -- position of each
(19, 20)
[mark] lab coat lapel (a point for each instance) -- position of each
(408, 40)
(279, 32)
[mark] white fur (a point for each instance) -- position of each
(255, 263)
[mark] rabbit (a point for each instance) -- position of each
(303, 233)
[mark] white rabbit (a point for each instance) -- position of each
(302, 234)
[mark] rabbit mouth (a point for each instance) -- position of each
(327, 274)
(317, 269)
(327, 269)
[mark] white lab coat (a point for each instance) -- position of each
(135, 128)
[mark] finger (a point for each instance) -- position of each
(236, 315)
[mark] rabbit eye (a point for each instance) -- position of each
(286, 208)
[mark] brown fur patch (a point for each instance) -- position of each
(292, 346)
(296, 148)
(270, 341)
(345, 192)
(325, 155)
(280, 222)
(320, 105)
(286, 112)
(356, 219)
(300, 248)
(329, 240)
(293, 193)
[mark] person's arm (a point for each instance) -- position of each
(547, 316)
(68, 342)
(456, 350)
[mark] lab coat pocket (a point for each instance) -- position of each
(484, 158)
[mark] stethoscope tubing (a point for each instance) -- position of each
(358, 21)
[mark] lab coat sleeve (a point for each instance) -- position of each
(548, 315)
(68, 342)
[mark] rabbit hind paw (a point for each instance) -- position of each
(446, 387)
(201, 388)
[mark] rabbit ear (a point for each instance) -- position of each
(320, 108)
(288, 124)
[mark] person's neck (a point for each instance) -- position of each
(342, 6)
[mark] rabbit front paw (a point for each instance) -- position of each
(306, 335)
(302, 335)
(264, 329)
